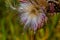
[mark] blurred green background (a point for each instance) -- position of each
(12, 29)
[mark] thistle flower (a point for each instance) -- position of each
(30, 19)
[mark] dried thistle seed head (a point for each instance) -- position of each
(32, 18)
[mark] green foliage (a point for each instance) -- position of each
(12, 29)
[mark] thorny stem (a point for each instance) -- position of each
(35, 36)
